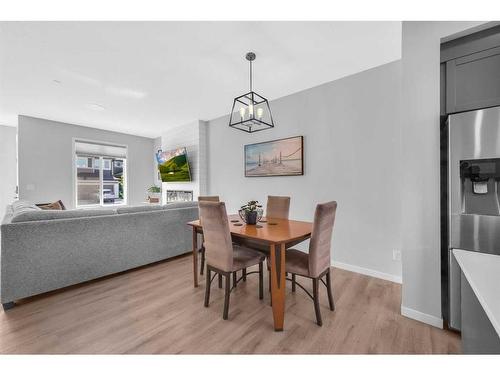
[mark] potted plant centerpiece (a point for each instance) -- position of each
(154, 195)
(251, 212)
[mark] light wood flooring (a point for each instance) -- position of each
(155, 309)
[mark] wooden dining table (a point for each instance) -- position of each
(275, 233)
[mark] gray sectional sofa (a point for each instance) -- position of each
(46, 250)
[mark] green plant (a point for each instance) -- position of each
(251, 206)
(120, 187)
(154, 189)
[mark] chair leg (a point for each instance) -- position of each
(261, 281)
(207, 287)
(244, 271)
(316, 301)
(202, 265)
(220, 281)
(329, 289)
(235, 278)
(294, 286)
(226, 296)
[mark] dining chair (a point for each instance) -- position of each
(206, 198)
(222, 256)
(316, 264)
(277, 207)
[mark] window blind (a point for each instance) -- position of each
(100, 149)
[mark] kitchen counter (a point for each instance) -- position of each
(480, 301)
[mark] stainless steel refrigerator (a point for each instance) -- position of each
(473, 192)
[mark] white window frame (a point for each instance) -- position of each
(101, 175)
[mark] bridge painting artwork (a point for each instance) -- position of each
(281, 157)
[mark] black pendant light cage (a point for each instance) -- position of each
(251, 112)
(256, 116)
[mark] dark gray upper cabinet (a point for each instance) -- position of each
(473, 81)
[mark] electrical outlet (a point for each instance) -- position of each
(396, 255)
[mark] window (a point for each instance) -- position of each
(100, 174)
(83, 162)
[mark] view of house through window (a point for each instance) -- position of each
(100, 174)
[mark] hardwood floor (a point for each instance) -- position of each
(155, 309)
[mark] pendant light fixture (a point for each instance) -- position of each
(251, 112)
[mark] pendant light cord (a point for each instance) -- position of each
(250, 75)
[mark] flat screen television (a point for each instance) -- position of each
(173, 165)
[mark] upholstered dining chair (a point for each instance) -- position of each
(277, 207)
(207, 198)
(222, 256)
(316, 264)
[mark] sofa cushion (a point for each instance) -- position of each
(133, 209)
(23, 206)
(56, 214)
(179, 205)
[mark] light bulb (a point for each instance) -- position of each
(250, 110)
(260, 111)
(242, 113)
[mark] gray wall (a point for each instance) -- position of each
(45, 160)
(420, 176)
(351, 146)
(8, 167)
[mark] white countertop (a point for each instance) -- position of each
(483, 274)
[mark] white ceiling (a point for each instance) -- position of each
(144, 77)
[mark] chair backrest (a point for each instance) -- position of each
(217, 236)
(321, 238)
(277, 207)
(208, 198)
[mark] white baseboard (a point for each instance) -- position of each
(405, 311)
(422, 317)
(368, 272)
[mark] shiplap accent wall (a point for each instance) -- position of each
(203, 157)
(193, 136)
(156, 175)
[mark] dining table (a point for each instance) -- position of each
(274, 233)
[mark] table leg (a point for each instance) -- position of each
(195, 257)
(278, 285)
